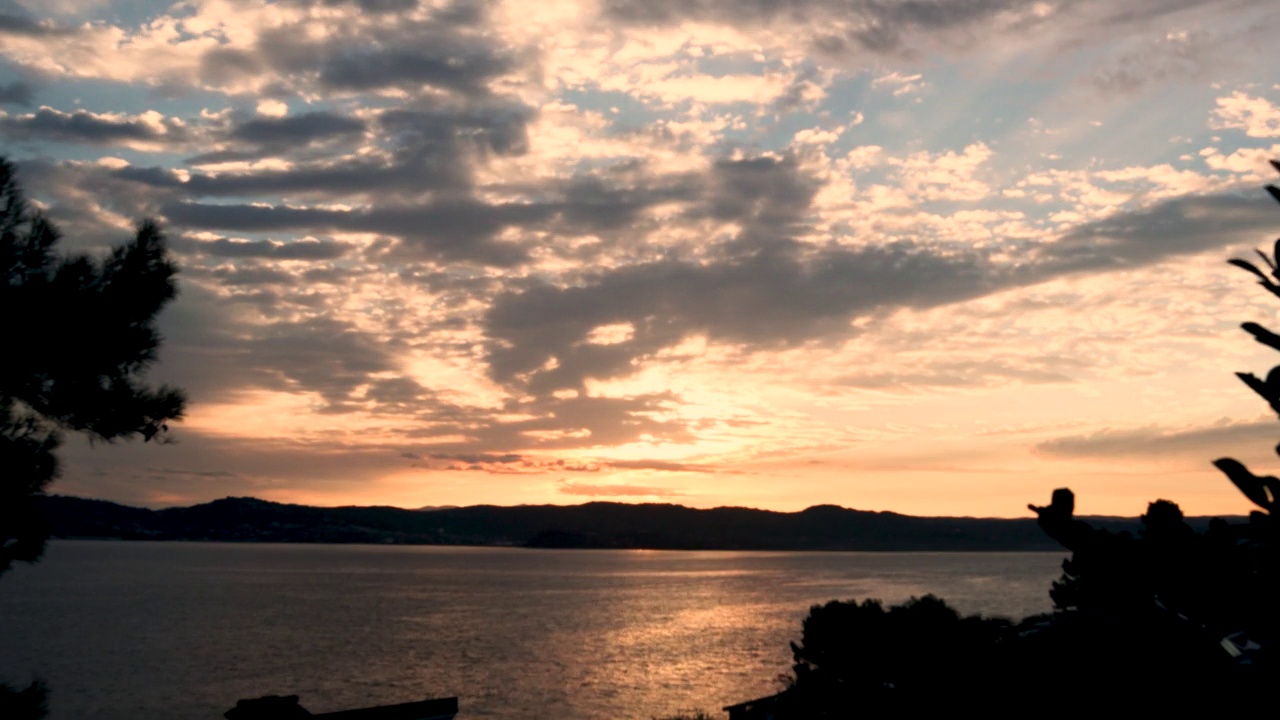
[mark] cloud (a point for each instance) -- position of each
(192, 473)
(297, 130)
(303, 249)
(376, 7)
(977, 373)
(1256, 116)
(16, 93)
(94, 128)
(780, 295)
(447, 50)
(442, 62)
(513, 463)
(417, 151)
(1181, 226)
(901, 84)
(870, 25)
(15, 20)
(615, 490)
(1176, 55)
(1157, 441)
(329, 357)
(459, 230)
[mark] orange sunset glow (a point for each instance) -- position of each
(673, 252)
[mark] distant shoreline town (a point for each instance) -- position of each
(592, 525)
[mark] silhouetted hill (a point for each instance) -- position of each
(593, 525)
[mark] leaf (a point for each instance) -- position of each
(1267, 260)
(1259, 490)
(1246, 265)
(1262, 335)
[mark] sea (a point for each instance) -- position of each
(181, 630)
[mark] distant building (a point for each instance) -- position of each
(286, 707)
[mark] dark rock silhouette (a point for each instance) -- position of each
(26, 704)
(286, 707)
(269, 707)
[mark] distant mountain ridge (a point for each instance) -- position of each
(592, 525)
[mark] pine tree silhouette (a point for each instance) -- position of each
(79, 334)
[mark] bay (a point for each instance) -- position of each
(127, 630)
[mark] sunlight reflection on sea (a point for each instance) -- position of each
(181, 630)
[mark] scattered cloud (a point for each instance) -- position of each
(1157, 441)
(1256, 116)
(615, 490)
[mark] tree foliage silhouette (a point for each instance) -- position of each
(79, 333)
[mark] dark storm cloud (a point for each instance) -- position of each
(220, 66)
(1161, 442)
(771, 195)
(83, 126)
(838, 27)
(1181, 226)
(444, 62)
(250, 275)
(16, 20)
(875, 25)
(297, 129)
(777, 296)
(451, 50)
(454, 227)
(16, 93)
(341, 176)
(329, 357)
(305, 249)
(426, 149)
(459, 230)
(548, 423)
(213, 351)
(495, 127)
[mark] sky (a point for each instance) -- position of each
(935, 257)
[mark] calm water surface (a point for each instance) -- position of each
(181, 630)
